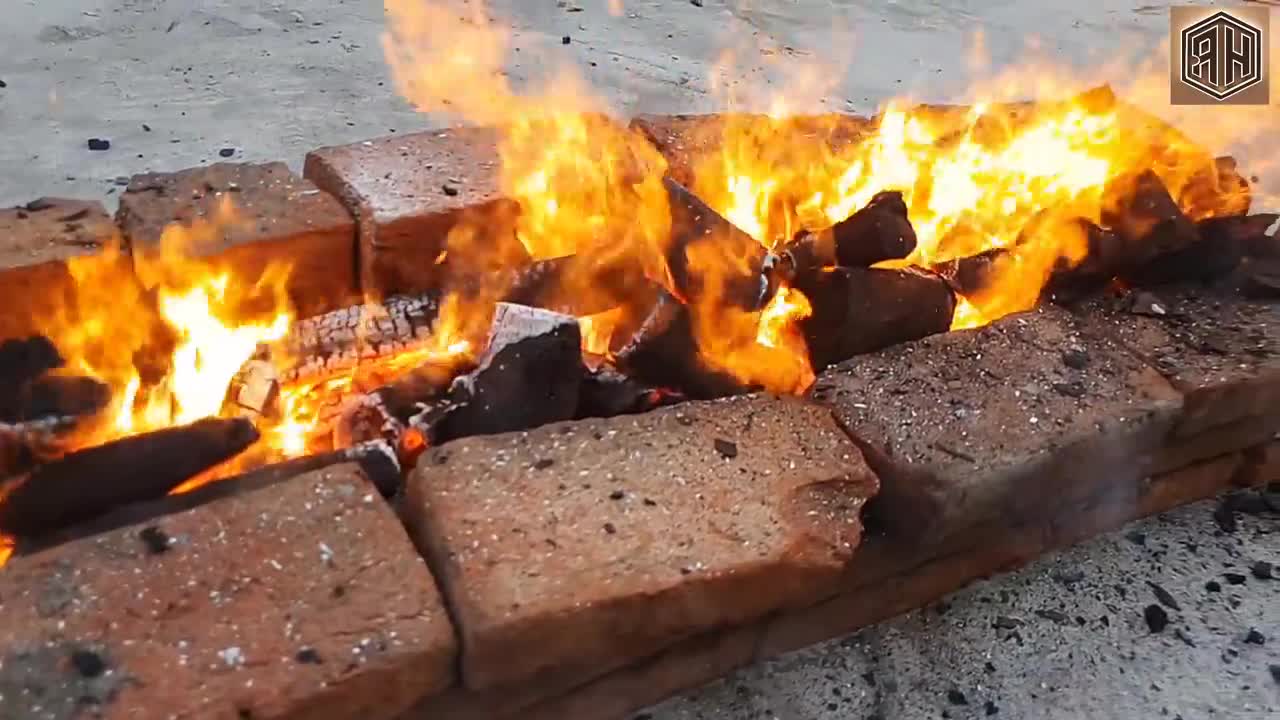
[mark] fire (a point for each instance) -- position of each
(585, 183)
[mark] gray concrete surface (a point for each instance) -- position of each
(172, 82)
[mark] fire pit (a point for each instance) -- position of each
(549, 418)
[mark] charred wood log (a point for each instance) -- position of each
(24, 360)
(530, 374)
(376, 459)
(579, 285)
(26, 444)
(971, 275)
(1221, 246)
(337, 341)
(1139, 209)
(88, 483)
(861, 310)
(707, 251)
(607, 392)
(662, 351)
(880, 231)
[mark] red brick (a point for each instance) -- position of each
(1221, 352)
(304, 599)
(973, 425)
(408, 192)
(576, 548)
(278, 218)
(37, 242)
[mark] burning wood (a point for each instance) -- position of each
(880, 231)
(88, 483)
(530, 374)
(1216, 191)
(861, 310)
(606, 393)
(1139, 209)
(707, 251)
(336, 342)
(973, 274)
(663, 352)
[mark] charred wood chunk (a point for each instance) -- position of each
(25, 444)
(530, 374)
(1218, 190)
(973, 274)
(861, 310)
(880, 231)
(1222, 243)
(377, 460)
(663, 352)
(337, 341)
(585, 284)
(1259, 278)
(707, 252)
(607, 393)
(24, 360)
(365, 418)
(1138, 207)
(1250, 233)
(88, 483)
(1107, 256)
(57, 396)
(255, 390)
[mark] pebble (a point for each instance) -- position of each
(1263, 570)
(1234, 578)
(955, 697)
(98, 144)
(1253, 637)
(226, 152)
(1166, 599)
(1156, 617)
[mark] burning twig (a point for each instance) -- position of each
(88, 483)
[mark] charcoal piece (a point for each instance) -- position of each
(338, 341)
(88, 483)
(24, 445)
(706, 251)
(530, 374)
(861, 310)
(971, 275)
(663, 352)
(1217, 190)
(1138, 207)
(880, 231)
(606, 393)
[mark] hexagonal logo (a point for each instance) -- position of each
(1219, 57)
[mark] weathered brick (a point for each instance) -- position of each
(278, 218)
(575, 548)
(303, 599)
(408, 192)
(988, 423)
(687, 141)
(37, 240)
(886, 578)
(1220, 351)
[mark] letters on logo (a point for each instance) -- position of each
(1221, 56)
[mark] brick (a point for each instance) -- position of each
(968, 426)
(1221, 352)
(303, 599)
(278, 218)
(572, 549)
(39, 242)
(888, 577)
(408, 192)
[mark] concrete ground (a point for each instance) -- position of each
(171, 83)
